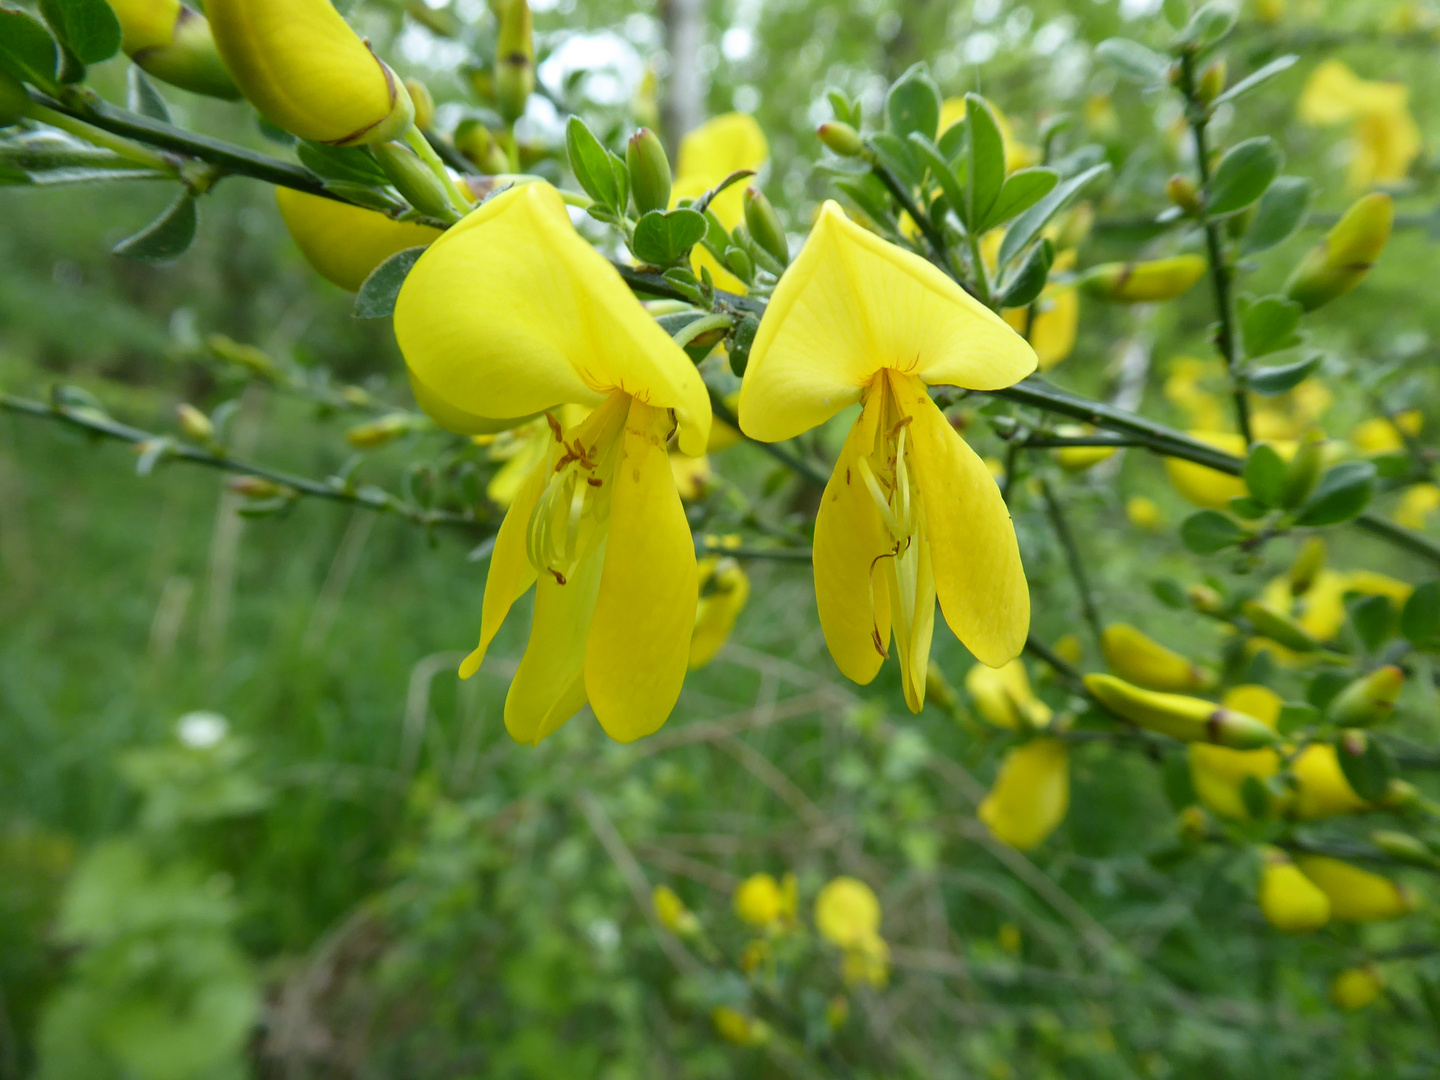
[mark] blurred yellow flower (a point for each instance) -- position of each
(1418, 504)
(724, 590)
(1385, 140)
(736, 1027)
(1002, 696)
(597, 527)
(847, 913)
(1321, 788)
(1356, 987)
(344, 243)
(1031, 794)
(1356, 895)
(1009, 936)
(1289, 900)
(1384, 435)
(1057, 317)
(766, 903)
(672, 912)
(1217, 772)
(722, 145)
(1204, 486)
(1144, 513)
(911, 513)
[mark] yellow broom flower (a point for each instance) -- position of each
(724, 590)
(1031, 793)
(722, 145)
(344, 243)
(173, 42)
(1385, 140)
(1356, 895)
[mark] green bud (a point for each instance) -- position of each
(1211, 82)
(375, 433)
(1403, 846)
(514, 59)
(649, 171)
(414, 180)
(1403, 797)
(1340, 262)
(254, 360)
(841, 138)
(174, 43)
(194, 423)
(1181, 191)
(13, 99)
(1278, 627)
(764, 225)
(1143, 282)
(257, 487)
(1185, 718)
(1303, 471)
(423, 101)
(1205, 599)
(1369, 699)
(1307, 566)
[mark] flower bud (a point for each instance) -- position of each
(172, 42)
(253, 360)
(1076, 459)
(514, 59)
(1205, 600)
(376, 433)
(474, 140)
(1307, 566)
(1211, 82)
(841, 138)
(1303, 471)
(1145, 662)
(1356, 895)
(1144, 513)
(1031, 794)
(344, 243)
(1278, 627)
(1290, 901)
(1185, 718)
(649, 171)
(764, 225)
(1403, 846)
(1369, 699)
(423, 101)
(734, 1026)
(1356, 987)
(1143, 282)
(673, 914)
(414, 180)
(1270, 12)
(194, 423)
(257, 487)
(1182, 192)
(301, 65)
(13, 99)
(1340, 262)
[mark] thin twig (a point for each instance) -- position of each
(1056, 513)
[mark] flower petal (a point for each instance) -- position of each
(852, 304)
(549, 685)
(639, 641)
(978, 577)
(914, 647)
(720, 146)
(344, 243)
(1031, 794)
(849, 538)
(512, 312)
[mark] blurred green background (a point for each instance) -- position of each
(364, 877)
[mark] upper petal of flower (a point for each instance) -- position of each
(511, 312)
(853, 304)
(714, 150)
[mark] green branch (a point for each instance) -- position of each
(1056, 513)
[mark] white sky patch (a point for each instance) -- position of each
(1050, 37)
(737, 43)
(613, 67)
(201, 730)
(1136, 9)
(985, 11)
(981, 47)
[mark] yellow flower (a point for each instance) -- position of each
(1321, 610)
(510, 314)
(722, 145)
(1418, 504)
(344, 243)
(1217, 772)
(911, 513)
(847, 913)
(300, 64)
(1322, 790)
(1385, 138)
(522, 449)
(672, 912)
(736, 1027)
(724, 589)
(1382, 435)
(1142, 660)
(173, 42)
(1057, 317)
(1288, 899)
(1356, 895)
(692, 475)
(1144, 513)
(867, 962)
(1017, 154)
(1356, 987)
(1002, 696)
(1031, 794)
(762, 901)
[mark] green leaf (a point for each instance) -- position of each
(1296, 715)
(1029, 281)
(702, 204)
(167, 237)
(364, 195)
(1169, 593)
(27, 51)
(376, 298)
(352, 164)
(1242, 176)
(1257, 78)
(1373, 618)
(49, 158)
(895, 154)
(1342, 494)
(1028, 225)
(1178, 781)
(985, 151)
(1133, 61)
(590, 162)
(88, 28)
(1022, 190)
(1177, 12)
(1281, 211)
(1269, 324)
(913, 104)
(1255, 796)
(1264, 473)
(1211, 23)
(143, 98)
(1420, 619)
(1368, 772)
(1248, 509)
(1325, 687)
(665, 237)
(1208, 531)
(940, 168)
(1270, 381)
(869, 195)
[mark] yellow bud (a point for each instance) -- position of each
(376, 433)
(1002, 696)
(760, 901)
(1307, 566)
(724, 590)
(343, 243)
(1077, 459)
(1145, 662)
(1211, 82)
(1143, 282)
(1181, 191)
(1205, 599)
(1356, 895)
(248, 357)
(172, 42)
(847, 912)
(423, 101)
(1143, 513)
(301, 65)
(1218, 773)
(256, 487)
(673, 914)
(514, 58)
(1070, 648)
(734, 1026)
(1356, 987)
(1321, 788)
(841, 138)
(1340, 262)
(1185, 718)
(194, 423)
(1369, 699)
(1289, 900)
(1278, 627)
(1031, 794)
